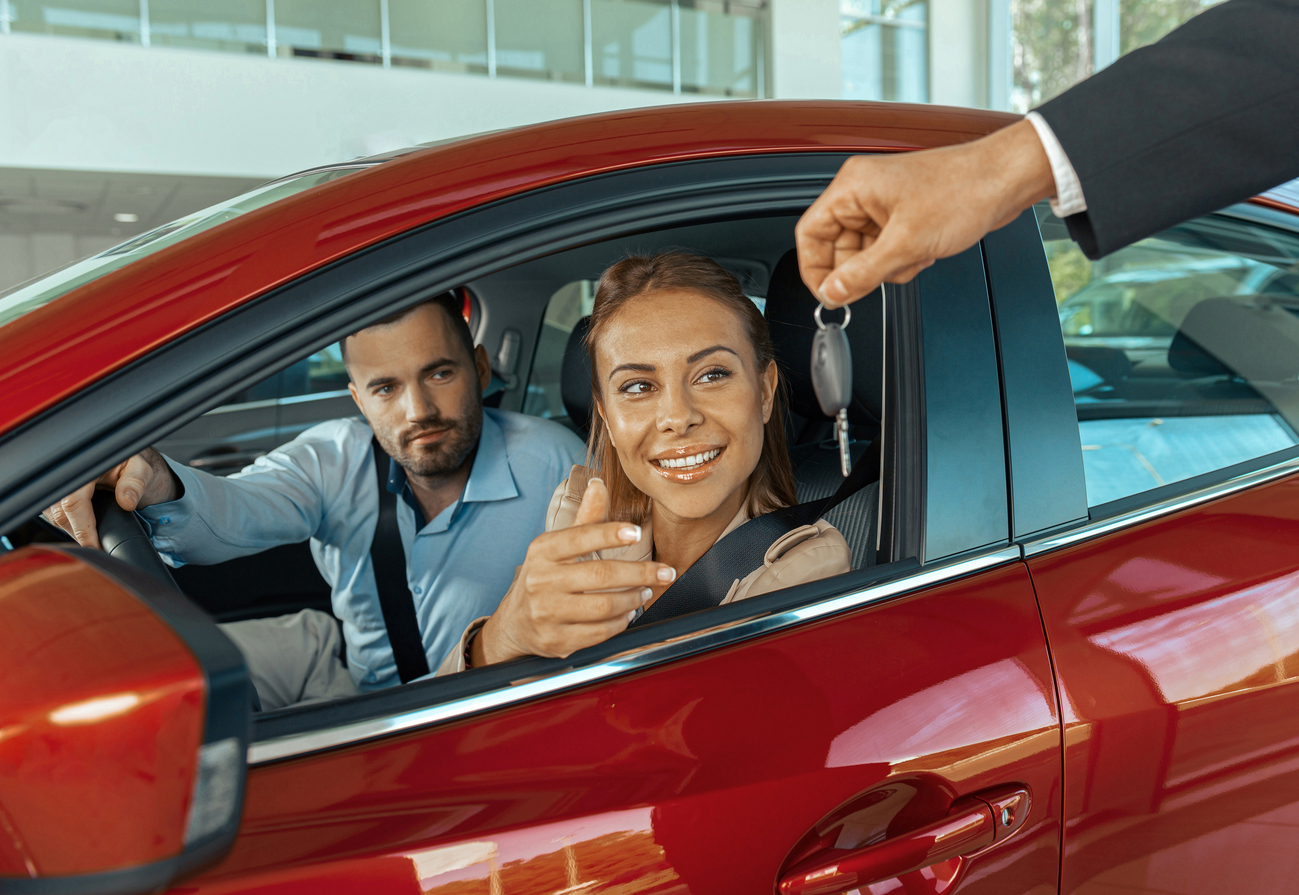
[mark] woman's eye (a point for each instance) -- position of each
(717, 374)
(635, 387)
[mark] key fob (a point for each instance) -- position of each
(832, 369)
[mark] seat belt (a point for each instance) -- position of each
(706, 583)
(388, 559)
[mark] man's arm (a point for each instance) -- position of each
(1196, 121)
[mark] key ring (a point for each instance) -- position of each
(847, 315)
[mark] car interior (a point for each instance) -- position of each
(531, 318)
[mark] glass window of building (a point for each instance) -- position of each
(341, 29)
(632, 43)
(233, 25)
(885, 50)
(721, 48)
(540, 40)
(101, 19)
(1143, 22)
(449, 35)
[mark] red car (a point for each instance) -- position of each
(1068, 659)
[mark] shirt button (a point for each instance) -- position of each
(165, 519)
(418, 589)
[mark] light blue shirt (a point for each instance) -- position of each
(321, 486)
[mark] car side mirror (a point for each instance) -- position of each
(124, 726)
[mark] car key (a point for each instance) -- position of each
(832, 378)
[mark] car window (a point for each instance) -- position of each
(323, 372)
(1183, 350)
(566, 307)
(31, 295)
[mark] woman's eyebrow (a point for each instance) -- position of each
(638, 368)
(707, 351)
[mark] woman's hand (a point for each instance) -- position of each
(139, 481)
(559, 604)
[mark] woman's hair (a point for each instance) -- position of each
(771, 485)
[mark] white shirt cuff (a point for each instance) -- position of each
(1068, 191)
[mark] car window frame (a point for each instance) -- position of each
(275, 330)
(1045, 438)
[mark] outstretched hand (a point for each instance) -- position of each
(560, 603)
(139, 481)
(885, 218)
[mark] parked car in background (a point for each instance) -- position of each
(1066, 659)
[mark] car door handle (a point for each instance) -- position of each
(975, 824)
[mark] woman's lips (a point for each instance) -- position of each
(688, 468)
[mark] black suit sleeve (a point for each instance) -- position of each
(1205, 117)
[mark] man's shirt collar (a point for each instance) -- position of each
(489, 478)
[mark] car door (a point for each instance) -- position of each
(901, 718)
(1171, 593)
(712, 755)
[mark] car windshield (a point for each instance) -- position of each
(43, 290)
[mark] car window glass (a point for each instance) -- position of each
(566, 307)
(323, 372)
(1183, 350)
(29, 296)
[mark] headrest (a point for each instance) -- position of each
(1251, 336)
(789, 315)
(575, 377)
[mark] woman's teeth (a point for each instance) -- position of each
(689, 462)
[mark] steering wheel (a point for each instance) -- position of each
(123, 536)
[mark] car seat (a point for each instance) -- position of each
(813, 450)
(575, 379)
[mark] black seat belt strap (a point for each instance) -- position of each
(388, 559)
(706, 583)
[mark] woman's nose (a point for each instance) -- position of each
(678, 412)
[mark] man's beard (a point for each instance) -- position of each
(444, 456)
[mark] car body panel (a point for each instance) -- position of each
(67, 752)
(699, 776)
(1176, 644)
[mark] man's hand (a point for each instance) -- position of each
(559, 604)
(886, 218)
(140, 481)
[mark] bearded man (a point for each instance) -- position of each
(474, 485)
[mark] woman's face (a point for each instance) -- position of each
(683, 401)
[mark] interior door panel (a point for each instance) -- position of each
(700, 776)
(1176, 644)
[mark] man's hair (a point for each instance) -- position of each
(451, 302)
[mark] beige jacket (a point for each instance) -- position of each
(805, 554)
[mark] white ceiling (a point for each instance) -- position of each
(83, 203)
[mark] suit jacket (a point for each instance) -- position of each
(807, 553)
(1205, 117)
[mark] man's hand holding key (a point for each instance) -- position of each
(560, 603)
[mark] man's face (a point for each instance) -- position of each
(420, 390)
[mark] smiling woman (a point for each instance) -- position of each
(688, 438)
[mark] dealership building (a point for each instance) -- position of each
(117, 116)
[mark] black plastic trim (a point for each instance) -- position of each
(903, 458)
(131, 881)
(1047, 488)
(965, 436)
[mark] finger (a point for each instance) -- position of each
(79, 516)
(580, 636)
(573, 609)
(131, 484)
(572, 543)
(600, 575)
(892, 253)
(595, 503)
